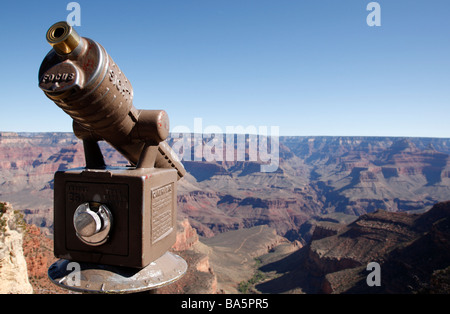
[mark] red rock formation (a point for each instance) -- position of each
(200, 277)
(413, 251)
(186, 236)
(38, 252)
(317, 175)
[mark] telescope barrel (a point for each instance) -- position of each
(85, 82)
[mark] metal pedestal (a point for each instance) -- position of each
(95, 278)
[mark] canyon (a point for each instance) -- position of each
(412, 251)
(321, 185)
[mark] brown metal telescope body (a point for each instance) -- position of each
(84, 81)
(120, 216)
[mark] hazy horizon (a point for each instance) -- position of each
(281, 136)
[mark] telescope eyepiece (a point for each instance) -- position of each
(63, 38)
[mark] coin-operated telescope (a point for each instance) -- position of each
(121, 216)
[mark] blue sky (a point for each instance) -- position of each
(309, 67)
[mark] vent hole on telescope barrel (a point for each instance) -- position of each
(58, 32)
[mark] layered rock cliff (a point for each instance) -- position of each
(413, 251)
(13, 267)
(316, 176)
(200, 277)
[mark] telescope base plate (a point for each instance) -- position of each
(95, 278)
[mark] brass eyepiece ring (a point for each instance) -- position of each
(63, 38)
